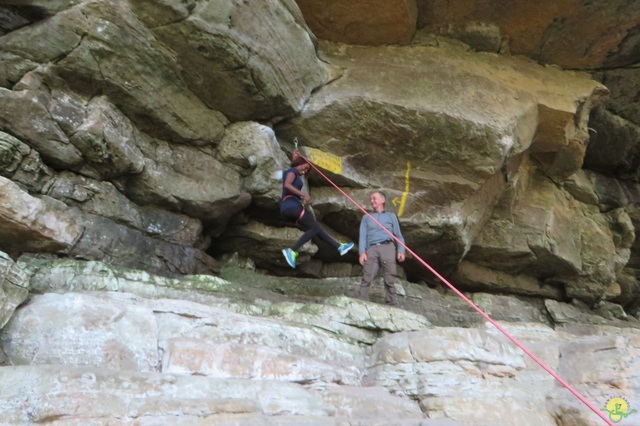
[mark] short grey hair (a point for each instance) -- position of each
(384, 197)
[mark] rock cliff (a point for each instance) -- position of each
(140, 150)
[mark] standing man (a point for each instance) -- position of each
(377, 248)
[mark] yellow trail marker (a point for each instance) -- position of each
(324, 160)
(403, 200)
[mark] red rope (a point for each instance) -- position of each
(469, 302)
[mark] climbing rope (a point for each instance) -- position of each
(466, 299)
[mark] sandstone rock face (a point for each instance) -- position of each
(102, 198)
(379, 114)
(624, 86)
(141, 151)
(187, 351)
(572, 34)
(370, 22)
(125, 341)
(106, 49)
(241, 57)
(130, 152)
(615, 147)
(32, 224)
(14, 287)
(538, 222)
(143, 122)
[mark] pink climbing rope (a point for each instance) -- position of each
(470, 303)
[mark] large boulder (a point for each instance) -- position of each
(102, 198)
(46, 225)
(25, 114)
(102, 47)
(186, 180)
(253, 151)
(543, 232)
(442, 149)
(249, 60)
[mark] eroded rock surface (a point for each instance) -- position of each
(141, 149)
(121, 345)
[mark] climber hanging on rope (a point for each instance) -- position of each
(293, 210)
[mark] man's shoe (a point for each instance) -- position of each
(291, 256)
(344, 248)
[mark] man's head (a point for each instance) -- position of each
(378, 199)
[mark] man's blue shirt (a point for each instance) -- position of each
(371, 233)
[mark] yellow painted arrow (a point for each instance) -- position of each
(402, 201)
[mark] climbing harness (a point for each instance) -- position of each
(466, 299)
(301, 212)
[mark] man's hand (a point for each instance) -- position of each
(400, 257)
(363, 258)
(307, 198)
